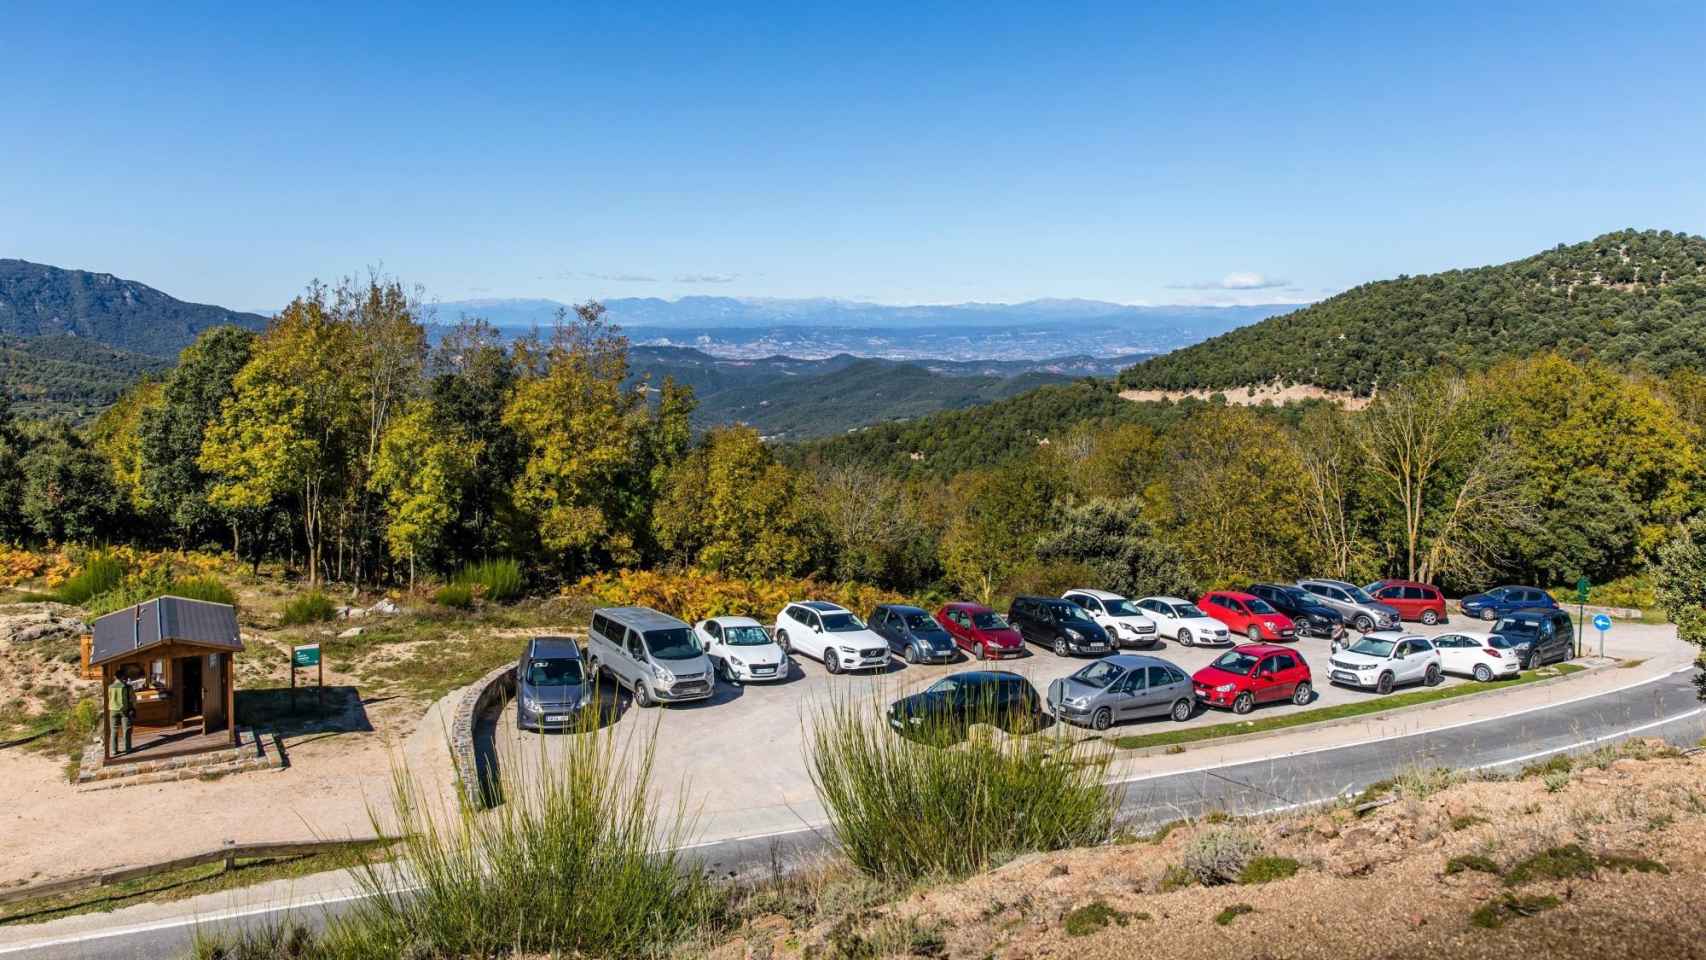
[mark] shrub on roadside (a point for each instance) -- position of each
(1220, 854)
(458, 595)
(311, 607)
(904, 810)
(497, 580)
(101, 573)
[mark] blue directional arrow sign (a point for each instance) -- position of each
(1601, 622)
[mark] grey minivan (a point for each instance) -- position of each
(1125, 686)
(551, 687)
(653, 654)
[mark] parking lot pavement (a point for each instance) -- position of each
(739, 757)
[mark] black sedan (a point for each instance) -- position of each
(950, 706)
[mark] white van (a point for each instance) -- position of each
(653, 654)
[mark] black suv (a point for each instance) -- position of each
(1312, 617)
(948, 708)
(1060, 625)
(1539, 636)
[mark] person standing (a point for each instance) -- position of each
(121, 708)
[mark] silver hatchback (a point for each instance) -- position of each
(1122, 687)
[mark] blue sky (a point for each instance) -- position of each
(1146, 153)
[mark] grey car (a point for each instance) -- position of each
(551, 684)
(1125, 686)
(913, 634)
(1354, 604)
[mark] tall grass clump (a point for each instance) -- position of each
(310, 607)
(101, 573)
(458, 595)
(577, 862)
(498, 580)
(904, 808)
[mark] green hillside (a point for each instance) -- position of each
(68, 376)
(37, 300)
(1636, 299)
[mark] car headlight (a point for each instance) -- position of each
(664, 676)
(1365, 667)
(1079, 702)
(736, 661)
(530, 704)
(1226, 688)
(1269, 624)
(845, 649)
(1074, 634)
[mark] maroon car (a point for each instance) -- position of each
(980, 631)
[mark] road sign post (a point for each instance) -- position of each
(1602, 623)
(1582, 587)
(308, 655)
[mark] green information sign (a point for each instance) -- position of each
(308, 656)
(1582, 590)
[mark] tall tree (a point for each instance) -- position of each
(423, 468)
(1115, 541)
(999, 516)
(389, 360)
(731, 508)
(68, 491)
(1332, 463)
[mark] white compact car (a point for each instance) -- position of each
(831, 633)
(741, 651)
(1477, 655)
(1384, 659)
(1184, 621)
(1125, 625)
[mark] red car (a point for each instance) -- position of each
(1253, 673)
(1412, 600)
(1248, 614)
(980, 631)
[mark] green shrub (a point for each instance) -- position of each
(1471, 862)
(1268, 869)
(158, 582)
(101, 573)
(1569, 862)
(310, 607)
(203, 588)
(1225, 917)
(497, 580)
(1556, 780)
(458, 595)
(1092, 917)
(1493, 914)
(1220, 854)
(903, 809)
(1557, 763)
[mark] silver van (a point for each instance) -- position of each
(653, 654)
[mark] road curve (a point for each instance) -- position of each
(1667, 706)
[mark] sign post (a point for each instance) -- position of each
(1582, 586)
(308, 655)
(1602, 623)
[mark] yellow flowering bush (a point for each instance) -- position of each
(18, 565)
(696, 594)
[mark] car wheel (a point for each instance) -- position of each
(912, 654)
(1363, 623)
(1302, 693)
(1184, 637)
(1384, 684)
(1182, 710)
(1489, 615)
(1432, 677)
(782, 641)
(978, 651)
(1430, 617)
(831, 661)
(1254, 633)
(1483, 673)
(1060, 646)
(642, 695)
(1244, 704)
(1532, 661)
(1102, 719)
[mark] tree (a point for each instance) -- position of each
(116, 434)
(1114, 541)
(1332, 462)
(68, 492)
(875, 533)
(391, 354)
(293, 422)
(422, 468)
(731, 508)
(993, 535)
(473, 373)
(1681, 583)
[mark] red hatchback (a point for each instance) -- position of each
(980, 631)
(1248, 614)
(1412, 600)
(1253, 673)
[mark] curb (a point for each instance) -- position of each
(1237, 738)
(476, 699)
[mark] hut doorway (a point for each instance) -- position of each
(189, 672)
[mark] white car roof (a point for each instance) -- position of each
(1480, 635)
(1393, 635)
(1169, 599)
(734, 621)
(1098, 594)
(821, 606)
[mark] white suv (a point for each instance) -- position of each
(1126, 625)
(831, 633)
(1382, 660)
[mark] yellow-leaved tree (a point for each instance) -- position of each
(423, 465)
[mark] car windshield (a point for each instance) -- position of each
(749, 635)
(989, 620)
(921, 623)
(1189, 610)
(1098, 674)
(1359, 595)
(1236, 661)
(1373, 647)
(676, 643)
(1258, 605)
(1122, 608)
(842, 623)
(1517, 625)
(555, 672)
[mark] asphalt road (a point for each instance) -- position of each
(1668, 707)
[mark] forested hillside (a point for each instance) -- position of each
(38, 300)
(1633, 299)
(68, 376)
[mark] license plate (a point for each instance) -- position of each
(1346, 677)
(1288, 633)
(557, 718)
(763, 671)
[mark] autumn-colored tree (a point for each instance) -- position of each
(293, 423)
(999, 516)
(729, 507)
(423, 467)
(116, 433)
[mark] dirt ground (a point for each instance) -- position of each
(1381, 885)
(1274, 393)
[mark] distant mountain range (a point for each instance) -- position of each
(42, 301)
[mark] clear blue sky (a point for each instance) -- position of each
(1132, 152)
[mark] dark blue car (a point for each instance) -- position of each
(913, 634)
(1499, 601)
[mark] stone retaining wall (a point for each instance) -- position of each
(478, 697)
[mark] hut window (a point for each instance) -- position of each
(157, 671)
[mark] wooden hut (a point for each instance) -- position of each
(178, 655)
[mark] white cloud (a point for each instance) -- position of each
(1241, 280)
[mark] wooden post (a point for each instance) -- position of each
(231, 696)
(106, 719)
